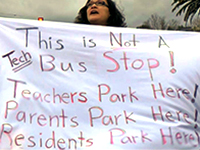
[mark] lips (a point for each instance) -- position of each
(94, 12)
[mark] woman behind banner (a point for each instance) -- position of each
(101, 12)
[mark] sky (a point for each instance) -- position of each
(135, 11)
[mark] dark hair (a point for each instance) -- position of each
(116, 18)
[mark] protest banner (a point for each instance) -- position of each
(71, 86)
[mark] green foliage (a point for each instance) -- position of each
(189, 7)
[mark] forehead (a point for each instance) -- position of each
(90, 1)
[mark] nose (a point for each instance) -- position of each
(93, 5)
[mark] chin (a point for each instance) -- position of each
(94, 22)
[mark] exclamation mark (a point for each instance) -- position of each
(195, 93)
(195, 119)
(172, 62)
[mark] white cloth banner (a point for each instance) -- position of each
(71, 86)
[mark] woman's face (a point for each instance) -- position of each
(98, 12)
